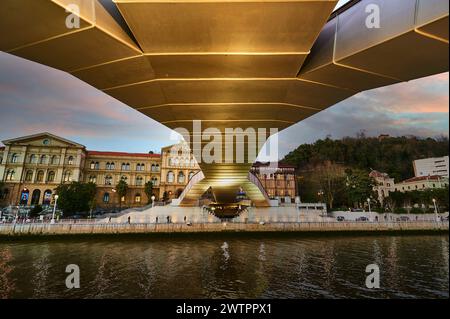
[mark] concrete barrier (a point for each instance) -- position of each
(147, 228)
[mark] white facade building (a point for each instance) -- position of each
(431, 167)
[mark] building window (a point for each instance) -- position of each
(125, 166)
(51, 176)
(140, 167)
(93, 179)
(106, 197)
(191, 174)
(10, 175)
(137, 198)
(139, 181)
(155, 181)
(108, 180)
(180, 178)
(40, 177)
(14, 158)
(55, 160)
(29, 176)
(43, 159)
(67, 177)
(33, 159)
(170, 177)
(70, 160)
(124, 178)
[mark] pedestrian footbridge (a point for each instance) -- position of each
(245, 64)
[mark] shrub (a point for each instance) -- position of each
(35, 211)
(400, 210)
(416, 210)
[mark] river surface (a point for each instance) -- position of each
(228, 267)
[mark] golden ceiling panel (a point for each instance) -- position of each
(225, 26)
(229, 112)
(39, 32)
(409, 44)
(211, 65)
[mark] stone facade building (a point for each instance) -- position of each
(32, 167)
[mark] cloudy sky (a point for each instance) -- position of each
(35, 98)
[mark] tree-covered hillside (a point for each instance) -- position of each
(392, 155)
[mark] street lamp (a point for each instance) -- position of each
(54, 210)
(153, 200)
(370, 212)
(435, 209)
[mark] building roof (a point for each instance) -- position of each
(376, 173)
(273, 164)
(42, 135)
(423, 178)
(122, 154)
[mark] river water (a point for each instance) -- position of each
(227, 267)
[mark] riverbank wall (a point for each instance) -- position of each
(65, 229)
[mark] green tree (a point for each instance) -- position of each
(75, 197)
(121, 189)
(148, 189)
(359, 187)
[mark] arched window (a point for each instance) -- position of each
(140, 167)
(35, 197)
(112, 166)
(67, 177)
(139, 181)
(137, 198)
(153, 169)
(155, 181)
(124, 178)
(106, 197)
(181, 178)
(186, 162)
(29, 176)
(10, 175)
(108, 165)
(55, 160)
(92, 165)
(128, 166)
(51, 176)
(14, 158)
(70, 160)
(170, 161)
(191, 174)
(157, 167)
(193, 162)
(40, 177)
(33, 159)
(93, 179)
(47, 197)
(170, 177)
(43, 159)
(108, 180)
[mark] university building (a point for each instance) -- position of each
(32, 167)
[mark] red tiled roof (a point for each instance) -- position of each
(279, 165)
(122, 154)
(423, 178)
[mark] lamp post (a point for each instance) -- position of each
(435, 209)
(370, 212)
(54, 210)
(153, 200)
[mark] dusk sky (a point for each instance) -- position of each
(35, 98)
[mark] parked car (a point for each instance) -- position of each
(340, 218)
(362, 219)
(403, 219)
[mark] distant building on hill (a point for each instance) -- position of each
(431, 166)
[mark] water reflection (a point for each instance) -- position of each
(412, 266)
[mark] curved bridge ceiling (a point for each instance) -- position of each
(235, 63)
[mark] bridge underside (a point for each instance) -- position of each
(242, 63)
